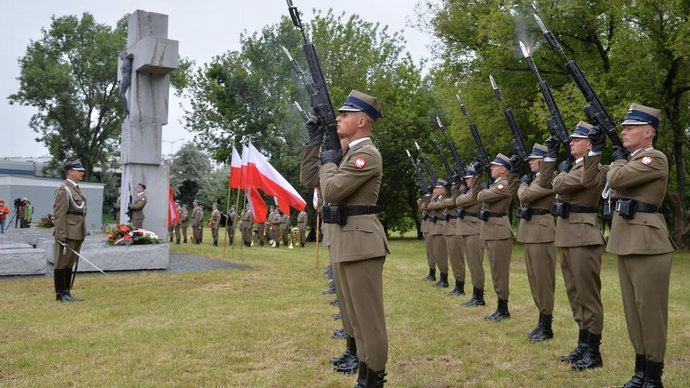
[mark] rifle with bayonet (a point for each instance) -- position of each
(555, 123)
(430, 171)
(319, 99)
(595, 111)
(517, 144)
(422, 187)
(460, 171)
(449, 172)
(480, 153)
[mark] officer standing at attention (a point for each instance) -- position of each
(261, 231)
(197, 222)
(537, 232)
(302, 226)
(184, 217)
(285, 227)
(231, 224)
(247, 226)
(578, 189)
(439, 247)
(469, 226)
(425, 227)
(178, 208)
(454, 240)
(276, 223)
(69, 213)
(137, 207)
(215, 223)
(496, 229)
(638, 179)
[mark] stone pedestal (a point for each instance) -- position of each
(118, 258)
(22, 261)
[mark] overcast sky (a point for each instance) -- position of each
(203, 28)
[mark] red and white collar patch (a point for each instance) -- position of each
(359, 162)
(500, 186)
(647, 160)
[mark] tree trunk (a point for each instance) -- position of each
(679, 220)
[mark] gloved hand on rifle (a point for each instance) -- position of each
(565, 166)
(554, 146)
(315, 130)
(477, 167)
(597, 137)
(619, 153)
(526, 179)
(331, 156)
(515, 164)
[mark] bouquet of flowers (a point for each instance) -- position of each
(46, 222)
(128, 235)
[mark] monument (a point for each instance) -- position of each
(143, 71)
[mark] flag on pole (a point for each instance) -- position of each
(172, 209)
(262, 175)
(235, 170)
(256, 204)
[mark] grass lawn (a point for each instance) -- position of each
(270, 326)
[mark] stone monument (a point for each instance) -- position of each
(149, 57)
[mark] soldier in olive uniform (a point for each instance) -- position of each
(439, 247)
(285, 227)
(231, 224)
(177, 224)
(537, 232)
(137, 207)
(302, 226)
(184, 218)
(269, 225)
(638, 179)
(261, 232)
(246, 224)
(424, 227)
(469, 226)
(457, 249)
(276, 222)
(215, 223)
(69, 212)
(197, 222)
(495, 228)
(578, 189)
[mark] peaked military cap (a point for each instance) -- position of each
(470, 172)
(502, 160)
(74, 165)
(143, 186)
(440, 183)
(581, 131)
(538, 151)
(640, 115)
(360, 102)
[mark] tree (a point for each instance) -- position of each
(189, 172)
(70, 76)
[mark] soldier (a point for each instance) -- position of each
(171, 229)
(261, 232)
(495, 228)
(231, 224)
(69, 213)
(302, 226)
(276, 221)
(425, 227)
(469, 226)
(116, 206)
(137, 207)
(184, 217)
(439, 248)
(247, 226)
(350, 186)
(269, 226)
(578, 189)
(176, 224)
(285, 228)
(537, 232)
(215, 223)
(197, 222)
(638, 179)
(455, 241)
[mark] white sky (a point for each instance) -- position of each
(203, 28)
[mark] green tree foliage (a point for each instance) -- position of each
(189, 172)
(70, 76)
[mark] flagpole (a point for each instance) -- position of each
(234, 227)
(317, 239)
(244, 204)
(227, 219)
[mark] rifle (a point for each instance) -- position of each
(129, 211)
(449, 172)
(517, 144)
(480, 153)
(429, 170)
(595, 111)
(555, 123)
(319, 99)
(460, 171)
(304, 114)
(422, 187)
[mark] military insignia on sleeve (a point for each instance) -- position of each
(500, 186)
(647, 160)
(359, 162)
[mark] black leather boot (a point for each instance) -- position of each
(477, 298)
(459, 288)
(653, 373)
(59, 283)
(350, 364)
(362, 375)
(545, 332)
(637, 380)
(339, 333)
(68, 285)
(592, 357)
(577, 353)
(351, 349)
(536, 329)
(501, 312)
(375, 379)
(443, 283)
(432, 275)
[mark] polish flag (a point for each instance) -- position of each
(235, 170)
(262, 175)
(245, 160)
(172, 209)
(256, 204)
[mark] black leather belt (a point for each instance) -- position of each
(644, 207)
(362, 210)
(493, 214)
(471, 214)
(538, 212)
(582, 209)
(76, 213)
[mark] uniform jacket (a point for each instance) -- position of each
(247, 219)
(435, 210)
(284, 222)
(69, 211)
(356, 181)
(580, 186)
(184, 215)
(497, 199)
(643, 179)
(215, 219)
(232, 219)
(276, 220)
(451, 226)
(179, 214)
(302, 220)
(309, 168)
(539, 228)
(423, 203)
(469, 225)
(138, 207)
(197, 217)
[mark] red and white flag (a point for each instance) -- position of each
(256, 204)
(172, 209)
(262, 175)
(235, 170)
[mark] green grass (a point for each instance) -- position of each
(270, 326)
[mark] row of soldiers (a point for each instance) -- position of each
(276, 227)
(462, 221)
